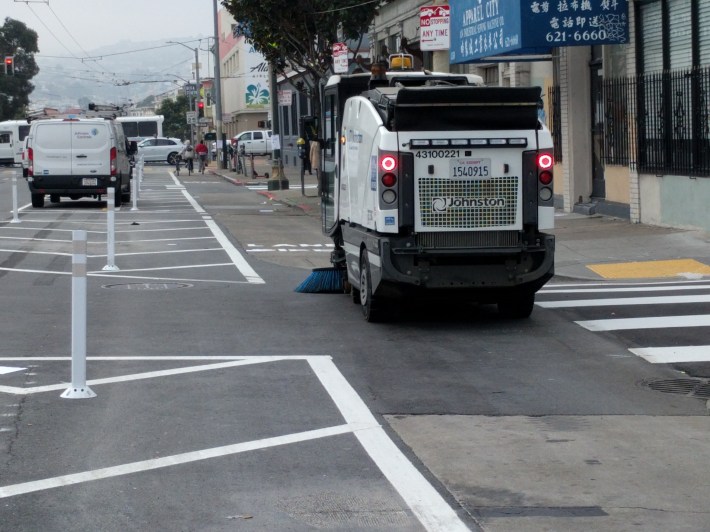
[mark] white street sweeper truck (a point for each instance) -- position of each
(434, 186)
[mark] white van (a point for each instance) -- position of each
(77, 158)
(19, 129)
(6, 150)
(257, 142)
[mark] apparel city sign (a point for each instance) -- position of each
(481, 29)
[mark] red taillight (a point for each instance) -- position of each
(545, 161)
(31, 162)
(389, 179)
(388, 163)
(112, 163)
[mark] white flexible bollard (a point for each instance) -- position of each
(134, 188)
(111, 232)
(140, 174)
(15, 218)
(78, 388)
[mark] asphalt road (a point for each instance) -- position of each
(227, 401)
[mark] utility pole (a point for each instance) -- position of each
(278, 180)
(198, 97)
(221, 145)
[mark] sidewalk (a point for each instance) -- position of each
(591, 247)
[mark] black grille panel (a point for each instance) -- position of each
(469, 239)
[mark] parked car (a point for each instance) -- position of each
(77, 158)
(159, 149)
(257, 142)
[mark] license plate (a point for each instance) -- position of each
(470, 168)
(89, 181)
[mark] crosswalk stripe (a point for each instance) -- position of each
(608, 302)
(654, 322)
(664, 288)
(669, 355)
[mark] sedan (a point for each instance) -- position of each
(159, 149)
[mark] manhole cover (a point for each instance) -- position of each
(148, 286)
(691, 387)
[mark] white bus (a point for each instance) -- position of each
(12, 152)
(140, 127)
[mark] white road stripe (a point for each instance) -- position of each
(421, 497)
(668, 355)
(156, 463)
(654, 322)
(133, 377)
(425, 502)
(237, 258)
(621, 301)
(162, 268)
(663, 288)
(4, 370)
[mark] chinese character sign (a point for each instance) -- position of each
(434, 28)
(484, 28)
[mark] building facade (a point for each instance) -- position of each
(631, 122)
(246, 95)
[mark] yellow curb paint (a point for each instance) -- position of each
(652, 268)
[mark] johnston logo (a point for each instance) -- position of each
(443, 204)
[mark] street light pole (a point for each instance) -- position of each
(196, 100)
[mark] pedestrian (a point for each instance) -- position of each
(315, 161)
(187, 153)
(232, 159)
(304, 156)
(201, 151)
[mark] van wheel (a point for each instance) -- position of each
(126, 196)
(371, 307)
(171, 158)
(38, 201)
(54, 198)
(517, 306)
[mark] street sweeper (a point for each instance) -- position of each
(434, 186)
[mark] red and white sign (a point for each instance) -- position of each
(285, 98)
(340, 57)
(434, 27)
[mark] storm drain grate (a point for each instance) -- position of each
(690, 387)
(148, 286)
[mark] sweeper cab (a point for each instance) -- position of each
(435, 186)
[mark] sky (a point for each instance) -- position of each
(71, 27)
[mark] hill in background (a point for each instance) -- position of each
(126, 72)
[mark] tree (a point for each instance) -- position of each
(175, 123)
(300, 35)
(17, 40)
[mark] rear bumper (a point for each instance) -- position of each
(399, 268)
(71, 185)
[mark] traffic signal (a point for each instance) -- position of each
(9, 64)
(200, 109)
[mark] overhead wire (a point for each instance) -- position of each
(74, 56)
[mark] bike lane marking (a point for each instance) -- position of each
(429, 507)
